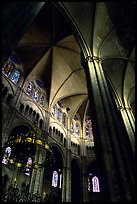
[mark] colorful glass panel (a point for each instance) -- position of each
(53, 110)
(42, 101)
(6, 155)
(55, 179)
(28, 166)
(77, 129)
(64, 119)
(59, 115)
(29, 88)
(36, 95)
(8, 68)
(16, 76)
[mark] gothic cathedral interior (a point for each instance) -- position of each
(68, 101)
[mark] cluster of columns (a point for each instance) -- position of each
(114, 147)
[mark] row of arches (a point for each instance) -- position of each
(33, 115)
(6, 95)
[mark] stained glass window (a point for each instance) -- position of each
(29, 88)
(59, 114)
(36, 95)
(8, 68)
(53, 110)
(28, 166)
(16, 76)
(88, 128)
(64, 119)
(6, 155)
(72, 127)
(42, 100)
(95, 184)
(77, 129)
(55, 179)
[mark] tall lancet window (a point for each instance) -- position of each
(42, 100)
(88, 128)
(29, 88)
(8, 68)
(55, 179)
(16, 76)
(36, 95)
(64, 119)
(59, 112)
(28, 166)
(53, 110)
(77, 129)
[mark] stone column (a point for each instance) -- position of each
(84, 180)
(114, 154)
(66, 187)
(37, 174)
(64, 184)
(129, 122)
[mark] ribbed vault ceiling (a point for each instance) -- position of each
(49, 50)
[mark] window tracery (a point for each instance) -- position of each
(75, 125)
(35, 91)
(88, 128)
(59, 113)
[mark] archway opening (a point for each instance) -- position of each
(75, 182)
(52, 182)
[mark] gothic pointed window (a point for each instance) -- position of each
(29, 88)
(36, 95)
(64, 119)
(59, 112)
(28, 166)
(53, 110)
(8, 68)
(6, 156)
(88, 128)
(16, 76)
(77, 129)
(42, 100)
(55, 179)
(72, 127)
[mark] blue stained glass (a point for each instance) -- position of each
(15, 77)
(55, 179)
(36, 95)
(59, 115)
